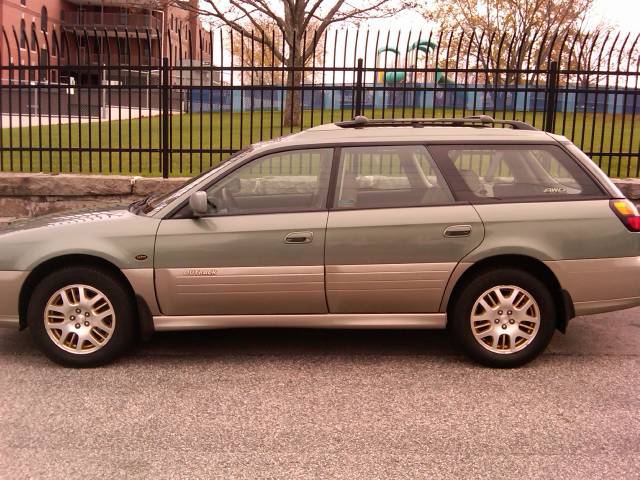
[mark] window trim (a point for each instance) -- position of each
(333, 200)
(325, 207)
(461, 190)
(170, 210)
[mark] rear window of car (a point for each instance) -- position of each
(509, 172)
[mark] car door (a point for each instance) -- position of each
(259, 250)
(394, 233)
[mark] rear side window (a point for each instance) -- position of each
(389, 177)
(507, 172)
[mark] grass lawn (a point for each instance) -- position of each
(200, 137)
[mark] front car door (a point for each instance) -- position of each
(260, 250)
(395, 233)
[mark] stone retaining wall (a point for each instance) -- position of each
(630, 187)
(28, 195)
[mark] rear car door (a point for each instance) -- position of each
(537, 201)
(395, 232)
(260, 250)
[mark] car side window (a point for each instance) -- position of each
(291, 181)
(387, 177)
(506, 172)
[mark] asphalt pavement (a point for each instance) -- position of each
(326, 404)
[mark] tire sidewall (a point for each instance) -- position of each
(110, 286)
(465, 300)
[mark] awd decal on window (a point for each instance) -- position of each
(555, 190)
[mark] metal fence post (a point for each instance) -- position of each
(164, 92)
(359, 88)
(551, 92)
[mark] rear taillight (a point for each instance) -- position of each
(628, 213)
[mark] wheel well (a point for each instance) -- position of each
(563, 302)
(51, 265)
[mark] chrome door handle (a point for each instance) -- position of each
(299, 237)
(458, 231)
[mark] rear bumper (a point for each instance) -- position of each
(8, 321)
(602, 306)
(10, 285)
(600, 285)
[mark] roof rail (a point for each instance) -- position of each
(474, 121)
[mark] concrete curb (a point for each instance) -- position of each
(630, 187)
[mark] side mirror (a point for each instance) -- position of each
(198, 203)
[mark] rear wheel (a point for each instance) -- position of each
(504, 317)
(81, 317)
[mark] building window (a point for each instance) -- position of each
(23, 2)
(146, 53)
(33, 36)
(124, 52)
(55, 48)
(44, 62)
(23, 34)
(43, 19)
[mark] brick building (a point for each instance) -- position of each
(97, 32)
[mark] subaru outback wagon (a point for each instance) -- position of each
(496, 230)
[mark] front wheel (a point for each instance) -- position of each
(81, 317)
(504, 317)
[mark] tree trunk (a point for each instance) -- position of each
(293, 95)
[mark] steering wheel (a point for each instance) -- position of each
(228, 200)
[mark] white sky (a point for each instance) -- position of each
(625, 14)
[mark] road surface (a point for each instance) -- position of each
(326, 404)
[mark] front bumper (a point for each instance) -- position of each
(600, 285)
(10, 285)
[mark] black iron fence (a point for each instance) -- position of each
(142, 102)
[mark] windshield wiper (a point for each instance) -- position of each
(139, 204)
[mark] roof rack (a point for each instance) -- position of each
(474, 121)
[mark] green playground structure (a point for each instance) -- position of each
(389, 57)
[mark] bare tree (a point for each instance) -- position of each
(301, 23)
(509, 34)
(259, 50)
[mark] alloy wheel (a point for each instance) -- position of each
(505, 319)
(79, 319)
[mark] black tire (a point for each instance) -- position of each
(116, 293)
(461, 311)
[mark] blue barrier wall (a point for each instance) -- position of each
(238, 99)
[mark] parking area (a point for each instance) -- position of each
(326, 404)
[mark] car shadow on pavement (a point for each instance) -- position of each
(284, 342)
(617, 333)
(272, 342)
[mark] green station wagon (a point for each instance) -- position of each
(496, 230)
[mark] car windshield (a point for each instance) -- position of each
(154, 203)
